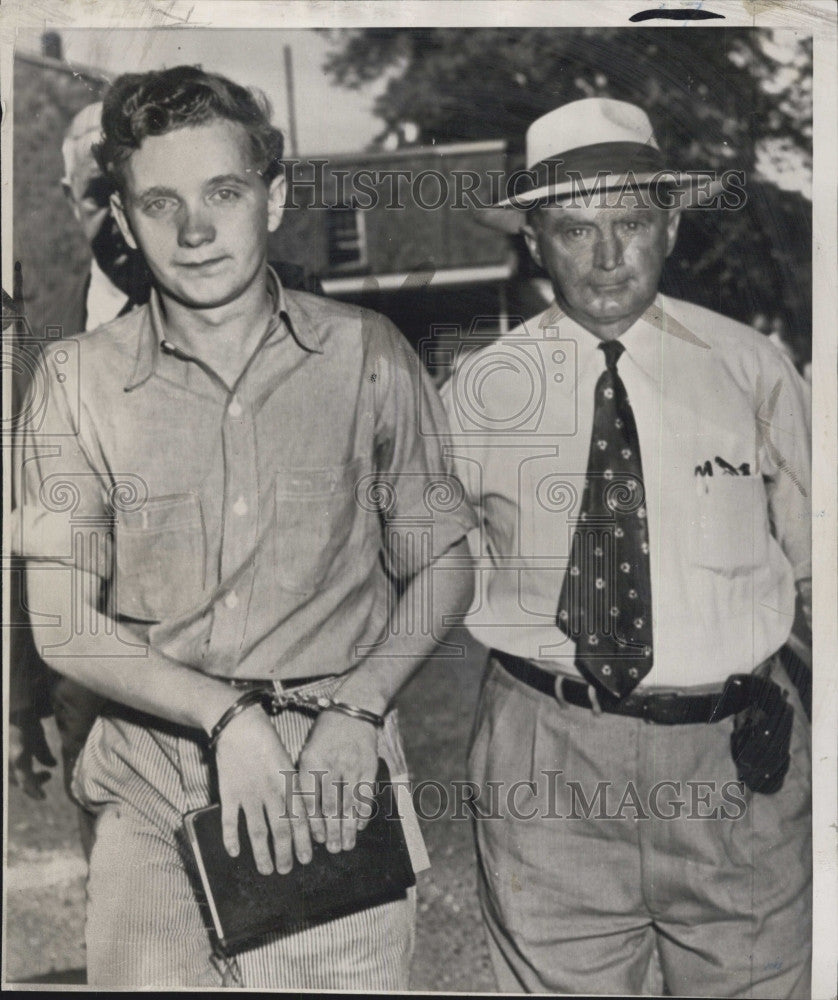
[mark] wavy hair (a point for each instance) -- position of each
(139, 105)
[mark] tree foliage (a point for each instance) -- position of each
(718, 98)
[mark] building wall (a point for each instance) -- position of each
(46, 238)
(403, 234)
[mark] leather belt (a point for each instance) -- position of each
(287, 685)
(662, 708)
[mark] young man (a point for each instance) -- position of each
(640, 467)
(220, 436)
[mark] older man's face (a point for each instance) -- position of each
(88, 193)
(604, 262)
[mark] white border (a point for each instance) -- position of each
(817, 17)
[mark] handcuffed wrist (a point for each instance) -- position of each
(355, 713)
(240, 705)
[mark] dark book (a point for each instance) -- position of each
(245, 904)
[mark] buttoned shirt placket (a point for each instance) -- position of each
(240, 511)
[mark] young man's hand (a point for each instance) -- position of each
(336, 774)
(256, 774)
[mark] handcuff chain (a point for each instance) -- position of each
(278, 702)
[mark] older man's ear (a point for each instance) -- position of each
(672, 229)
(531, 239)
(118, 213)
(67, 191)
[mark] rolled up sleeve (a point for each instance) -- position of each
(415, 481)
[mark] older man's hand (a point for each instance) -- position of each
(804, 599)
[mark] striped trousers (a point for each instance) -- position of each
(146, 924)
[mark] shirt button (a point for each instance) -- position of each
(235, 407)
(231, 600)
(240, 507)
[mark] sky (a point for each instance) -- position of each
(329, 119)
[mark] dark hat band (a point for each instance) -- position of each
(586, 162)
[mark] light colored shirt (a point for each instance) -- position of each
(252, 526)
(104, 300)
(725, 549)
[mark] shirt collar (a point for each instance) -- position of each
(153, 327)
(641, 341)
(302, 325)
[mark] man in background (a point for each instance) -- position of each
(115, 282)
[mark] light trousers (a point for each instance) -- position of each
(597, 877)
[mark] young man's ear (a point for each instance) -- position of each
(277, 193)
(122, 221)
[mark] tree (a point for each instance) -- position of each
(718, 98)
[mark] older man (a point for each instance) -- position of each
(219, 439)
(641, 471)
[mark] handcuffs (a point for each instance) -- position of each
(274, 703)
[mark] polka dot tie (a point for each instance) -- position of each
(606, 600)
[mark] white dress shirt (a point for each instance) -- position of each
(104, 300)
(725, 549)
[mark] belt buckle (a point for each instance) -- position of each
(658, 708)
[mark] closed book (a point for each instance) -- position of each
(245, 904)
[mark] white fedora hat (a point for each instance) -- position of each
(589, 146)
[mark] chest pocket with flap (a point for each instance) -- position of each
(318, 523)
(160, 557)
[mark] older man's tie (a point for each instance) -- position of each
(606, 599)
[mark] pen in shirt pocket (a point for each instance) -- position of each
(731, 470)
(701, 474)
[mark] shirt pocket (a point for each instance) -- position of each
(160, 558)
(730, 529)
(316, 518)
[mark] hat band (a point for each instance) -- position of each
(585, 162)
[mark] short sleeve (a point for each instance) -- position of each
(60, 499)
(784, 423)
(419, 493)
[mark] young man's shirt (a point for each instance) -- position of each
(724, 426)
(260, 530)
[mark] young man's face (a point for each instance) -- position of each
(604, 262)
(200, 213)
